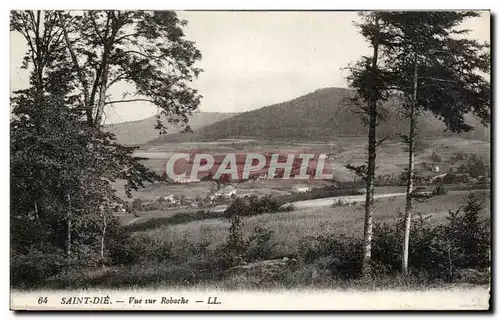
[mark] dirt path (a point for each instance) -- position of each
(325, 202)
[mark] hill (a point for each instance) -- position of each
(320, 115)
(141, 131)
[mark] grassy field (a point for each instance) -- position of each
(290, 227)
(182, 253)
(390, 159)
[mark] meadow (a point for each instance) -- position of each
(290, 227)
(187, 254)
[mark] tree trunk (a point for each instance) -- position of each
(102, 91)
(103, 238)
(411, 165)
(68, 246)
(370, 176)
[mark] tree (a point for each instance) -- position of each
(146, 49)
(435, 69)
(435, 157)
(367, 78)
(62, 163)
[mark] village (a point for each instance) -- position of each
(433, 176)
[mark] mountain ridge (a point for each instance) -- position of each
(320, 115)
(138, 132)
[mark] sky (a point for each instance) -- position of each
(255, 59)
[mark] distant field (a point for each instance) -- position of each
(290, 227)
(391, 159)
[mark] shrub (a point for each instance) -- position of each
(259, 245)
(435, 157)
(338, 254)
(253, 205)
(338, 190)
(472, 233)
(137, 204)
(237, 249)
(231, 252)
(439, 190)
(33, 268)
(440, 251)
(340, 202)
(130, 250)
(287, 207)
(177, 218)
(476, 166)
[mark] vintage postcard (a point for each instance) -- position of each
(250, 160)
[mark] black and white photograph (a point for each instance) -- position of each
(176, 160)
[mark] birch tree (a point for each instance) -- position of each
(368, 79)
(435, 68)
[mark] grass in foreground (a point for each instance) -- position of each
(290, 227)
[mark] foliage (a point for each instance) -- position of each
(439, 190)
(63, 165)
(253, 205)
(237, 249)
(30, 269)
(440, 251)
(259, 245)
(476, 166)
(435, 157)
(444, 251)
(339, 254)
(345, 189)
(137, 204)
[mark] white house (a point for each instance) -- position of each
(170, 198)
(300, 188)
(435, 169)
(185, 180)
(227, 191)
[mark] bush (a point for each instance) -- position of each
(476, 166)
(137, 204)
(341, 189)
(259, 245)
(230, 253)
(340, 202)
(471, 234)
(340, 255)
(439, 190)
(287, 207)
(177, 218)
(32, 269)
(440, 251)
(252, 205)
(435, 157)
(237, 249)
